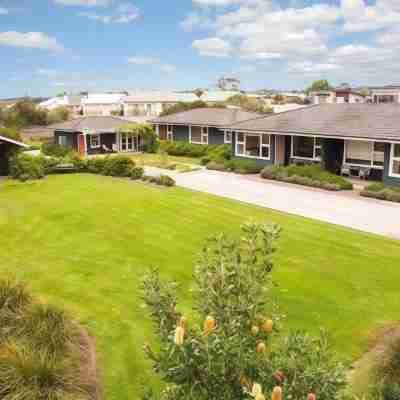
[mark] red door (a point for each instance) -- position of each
(81, 145)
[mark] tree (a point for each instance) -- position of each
(321, 84)
(59, 114)
(199, 93)
(231, 348)
(248, 104)
(10, 133)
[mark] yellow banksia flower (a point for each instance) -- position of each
(254, 330)
(179, 336)
(209, 325)
(183, 322)
(256, 389)
(277, 393)
(261, 347)
(260, 396)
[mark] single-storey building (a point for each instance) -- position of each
(7, 147)
(201, 125)
(358, 139)
(96, 135)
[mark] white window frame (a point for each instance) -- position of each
(314, 157)
(227, 137)
(262, 145)
(64, 137)
(91, 141)
(372, 158)
(170, 133)
(204, 134)
(392, 160)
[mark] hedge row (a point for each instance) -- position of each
(27, 167)
(236, 165)
(307, 175)
(186, 149)
(382, 192)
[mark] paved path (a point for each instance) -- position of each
(341, 208)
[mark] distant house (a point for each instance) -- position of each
(201, 125)
(72, 103)
(7, 146)
(145, 105)
(357, 137)
(96, 135)
(339, 95)
(385, 94)
(105, 104)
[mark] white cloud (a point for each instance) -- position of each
(143, 60)
(123, 14)
(195, 20)
(33, 40)
(312, 68)
(214, 47)
(168, 69)
(361, 17)
(3, 11)
(84, 3)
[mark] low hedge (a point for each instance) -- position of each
(236, 165)
(206, 152)
(382, 192)
(307, 175)
(162, 180)
(54, 149)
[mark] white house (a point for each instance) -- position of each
(104, 104)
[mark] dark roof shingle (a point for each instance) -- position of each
(368, 121)
(99, 124)
(218, 117)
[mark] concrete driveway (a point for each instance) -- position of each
(341, 208)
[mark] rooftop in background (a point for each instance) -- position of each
(363, 121)
(217, 117)
(159, 97)
(96, 124)
(103, 98)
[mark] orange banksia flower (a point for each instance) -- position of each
(268, 326)
(277, 393)
(254, 330)
(311, 396)
(209, 325)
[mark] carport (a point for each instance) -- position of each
(7, 148)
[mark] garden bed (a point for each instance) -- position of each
(44, 354)
(235, 165)
(307, 175)
(382, 192)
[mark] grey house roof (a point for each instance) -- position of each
(97, 124)
(360, 121)
(218, 117)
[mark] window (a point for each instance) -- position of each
(306, 147)
(395, 161)
(199, 135)
(170, 133)
(360, 153)
(62, 140)
(253, 146)
(94, 141)
(227, 137)
(148, 109)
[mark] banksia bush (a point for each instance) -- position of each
(223, 354)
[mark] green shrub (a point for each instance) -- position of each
(243, 166)
(166, 180)
(96, 165)
(118, 166)
(215, 166)
(183, 148)
(137, 173)
(307, 175)
(54, 149)
(219, 153)
(381, 192)
(26, 167)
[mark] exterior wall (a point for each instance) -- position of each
(162, 132)
(72, 139)
(107, 139)
(215, 136)
(6, 150)
(142, 109)
(181, 133)
(378, 96)
(389, 180)
(96, 110)
(259, 161)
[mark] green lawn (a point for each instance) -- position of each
(84, 241)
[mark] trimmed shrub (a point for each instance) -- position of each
(54, 149)
(26, 167)
(166, 180)
(118, 166)
(215, 166)
(96, 165)
(210, 152)
(235, 165)
(137, 173)
(381, 192)
(307, 175)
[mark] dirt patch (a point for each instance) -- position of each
(89, 370)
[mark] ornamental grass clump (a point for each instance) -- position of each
(231, 347)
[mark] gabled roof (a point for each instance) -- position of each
(12, 141)
(98, 124)
(359, 121)
(218, 117)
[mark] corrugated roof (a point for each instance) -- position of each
(159, 97)
(368, 121)
(207, 116)
(98, 124)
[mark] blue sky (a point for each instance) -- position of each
(48, 46)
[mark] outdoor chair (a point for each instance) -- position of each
(345, 170)
(364, 173)
(105, 149)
